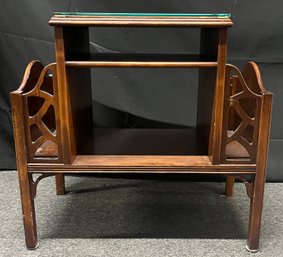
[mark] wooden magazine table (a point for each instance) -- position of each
(53, 123)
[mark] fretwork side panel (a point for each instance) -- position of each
(242, 106)
(42, 125)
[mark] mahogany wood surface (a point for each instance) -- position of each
(218, 103)
(230, 138)
(229, 186)
(27, 201)
(145, 21)
(140, 64)
(65, 114)
(60, 184)
(261, 160)
(245, 98)
(206, 89)
(143, 164)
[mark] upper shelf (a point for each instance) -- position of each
(141, 19)
(143, 60)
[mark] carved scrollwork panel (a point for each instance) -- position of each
(240, 119)
(42, 124)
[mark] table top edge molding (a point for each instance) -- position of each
(141, 19)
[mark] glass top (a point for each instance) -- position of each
(210, 15)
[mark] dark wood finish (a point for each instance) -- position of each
(217, 113)
(140, 64)
(40, 104)
(145, 21)
(27, 200)
(228, 141)
(243, 98)
(143, 164)
(106, 141)
(229, 186)
(60, 184)
(65, 114)
(206, 89)
(76, 45)
(261, 160)
(249, 184)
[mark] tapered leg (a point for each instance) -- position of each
(256, 205)
(229, 186)
(60, 184)
(260, 177)
(25, 181)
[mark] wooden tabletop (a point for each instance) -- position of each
(141, 19)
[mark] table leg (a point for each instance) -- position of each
(229, 186)
(60, 184)
(28, 210)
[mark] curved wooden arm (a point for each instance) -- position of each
(252, 76)
(31, 75)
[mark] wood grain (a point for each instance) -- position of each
(143, 164)
(146, 21)
(206, 89)
(139, 64)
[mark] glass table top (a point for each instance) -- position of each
(209, 15)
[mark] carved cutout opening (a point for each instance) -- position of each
(234, 119)
(236, 150)
(47, 86)
(35, 133)
(249, 105)
(34, 104)
(241, 117)
(49, 119)
(47, 149)
(248, 134)
(32, 80)
(235, 86)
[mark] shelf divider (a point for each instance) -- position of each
(140, 64)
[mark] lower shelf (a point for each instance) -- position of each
(142, 164)
(144, 151)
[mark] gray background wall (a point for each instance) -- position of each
(162, 95)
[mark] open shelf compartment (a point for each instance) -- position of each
(242, 113)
